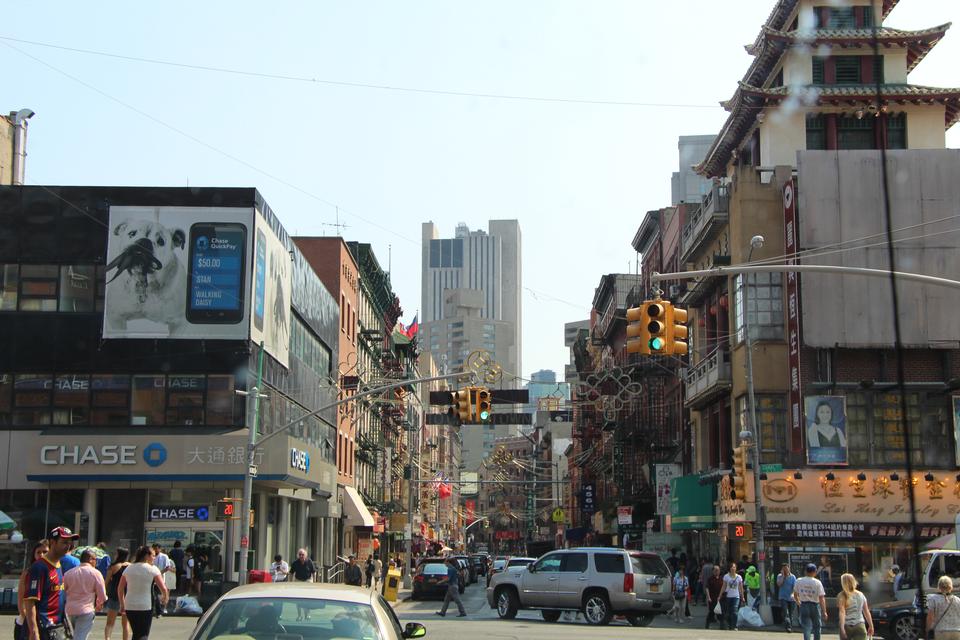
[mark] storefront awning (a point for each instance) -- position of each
(355, 510)
(691, 504)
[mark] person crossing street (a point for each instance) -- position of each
(453, 590)
(809, 594)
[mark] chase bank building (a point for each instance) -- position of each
(129, 320)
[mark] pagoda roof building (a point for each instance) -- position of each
(815, 65)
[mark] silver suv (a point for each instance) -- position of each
(599, 581)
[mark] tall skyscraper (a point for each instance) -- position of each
(471, 301)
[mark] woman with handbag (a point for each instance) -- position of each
(112, 580)
(136, 592)
(853, 611)
(943, 611)
(714, 593)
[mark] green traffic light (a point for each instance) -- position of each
(484, 415)
(656, 344)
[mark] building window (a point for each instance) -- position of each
(818, 70)
(77, 287)
(110, 400)
(847, 69)
(897, 131)
(220, 400)
(8, 282)
(38, 287)
(71, 399)
(147, 402)
(6, 391)
(816, 133)
(856, 133)
(771, 423)
(185, 400)
(875, 433)
(31, 399)
(843, 17)
(765, 301)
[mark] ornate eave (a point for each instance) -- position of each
(917, 43)
(861, 95)
(888, 6)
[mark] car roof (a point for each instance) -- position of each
(314, 590)
(522, 559)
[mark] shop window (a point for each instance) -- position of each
(71, 400)
(6, 391)
(8, 282)
(31, 399)
(77, 287)
(38, 287)
(185, 400)
(147, 400)
(110, 400)
(220, 400)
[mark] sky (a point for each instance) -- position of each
(406, 148)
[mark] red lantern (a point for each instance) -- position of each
(376, 544)
(444, 491)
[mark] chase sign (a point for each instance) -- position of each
(299, 459)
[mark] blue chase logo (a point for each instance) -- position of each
(300, 459)
(154, 454)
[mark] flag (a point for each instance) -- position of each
(413, 328)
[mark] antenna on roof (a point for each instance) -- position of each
(337, 225)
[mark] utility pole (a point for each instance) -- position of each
(413, 442)
(246, 503)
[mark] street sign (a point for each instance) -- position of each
(252, 470)
(771, 468)
(557, 515)
(244, 542)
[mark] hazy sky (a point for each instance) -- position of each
(579, 177)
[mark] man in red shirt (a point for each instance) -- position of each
(44, 601)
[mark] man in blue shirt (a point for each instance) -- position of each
(453, 589)
(785, 583)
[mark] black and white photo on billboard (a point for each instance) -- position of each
(271, 292)
(152, 255)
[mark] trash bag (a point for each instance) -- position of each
(188, 604)
(747, 617)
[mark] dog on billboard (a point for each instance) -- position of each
(151, 274)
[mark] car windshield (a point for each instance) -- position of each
(519, 562)
(432, 569)
(499, 564)
(649, 565)
(289, 619)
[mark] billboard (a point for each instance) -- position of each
(270, 292)
(178, 272)
(826, 422)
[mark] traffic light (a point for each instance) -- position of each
(657, 327)
(637, 336)
(676, 330)
(461, 405)
(482, 405)
(740, 472)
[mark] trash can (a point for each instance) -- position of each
(258, 575)
(392, 585)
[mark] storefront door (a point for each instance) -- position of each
(207, 538)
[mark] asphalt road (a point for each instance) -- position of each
(482, 623)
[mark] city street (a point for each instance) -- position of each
(482, 623)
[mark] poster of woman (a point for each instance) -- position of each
(826, 422)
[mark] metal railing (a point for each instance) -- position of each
(713, 211)
(713, 372)
(334, 573)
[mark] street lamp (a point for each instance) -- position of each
(752, 433)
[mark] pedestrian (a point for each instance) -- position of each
(167, 569)
(706, 572)
(751, 580)
(943, 611)
(177, 556)
(114, 573)
(86, 594)
(42, 602)
(897, 577)
(379, 576)
(673, 561)
(352, 574)
(70, 561)
(785, 583)
(368, 571)
(188, 563)
(20, 625)
(733, 596)
(199, 568)
(812, 599)
(279, 570)
(453, 590)
(680, 586)
(853, 611)
(136, 592)
(103, 564)
(714, 590)
(303, 570)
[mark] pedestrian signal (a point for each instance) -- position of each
(225, 510)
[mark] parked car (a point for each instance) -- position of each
(479, 562)
(599, 581)
(897, 620)
(430, 579)
(933, 564)
(499, 564)
(471, 569)
(520, 561)
(268, 609)
(460, 565)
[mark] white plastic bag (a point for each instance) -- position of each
(748, 617)
(717, 609)
(188, 604)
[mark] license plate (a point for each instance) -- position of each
(653, 588)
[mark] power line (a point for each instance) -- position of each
(362, 85)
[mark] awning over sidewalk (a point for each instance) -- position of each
(356, 511)
(691, 504)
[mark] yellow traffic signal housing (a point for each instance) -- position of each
(481, 406)
(657, 327)
(677, 330)
(740, 472)
(637, 336)
(461, 405)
